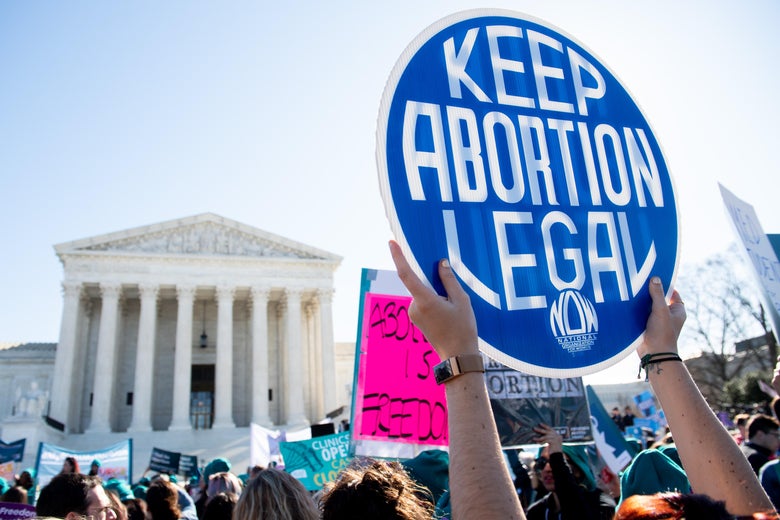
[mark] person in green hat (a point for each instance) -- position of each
(564, 472)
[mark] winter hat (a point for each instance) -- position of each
(119, 488)
(652, 472)
(139, 491)
(578, 455)
(431, 468)
(215, 466)
(670, 450)
(3, 486)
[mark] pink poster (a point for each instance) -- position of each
(397, 396)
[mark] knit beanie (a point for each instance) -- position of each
(430, 468)
(119, 488)
(670, 450)
(218, 465)
(652, 472)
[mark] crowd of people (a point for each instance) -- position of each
(700, 471)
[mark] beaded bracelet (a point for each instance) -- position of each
(648, 359)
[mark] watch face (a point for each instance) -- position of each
(442, 371)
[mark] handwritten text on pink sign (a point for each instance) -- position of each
(401, 400)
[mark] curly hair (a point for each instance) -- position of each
(375, 489)
(674, 506)
(162, 500)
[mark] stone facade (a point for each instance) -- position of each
(204, 304)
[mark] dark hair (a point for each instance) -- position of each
(66, 493)
(761, 423)
(15, 495)
(136, 509)
(162, 500)
(375, 489)
(673, 506)
(73, 464)
(220, 506)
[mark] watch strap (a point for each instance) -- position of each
(457, 365)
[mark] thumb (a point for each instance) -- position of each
(451, 284)
(657, 293)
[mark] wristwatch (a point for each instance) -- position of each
(453, 367)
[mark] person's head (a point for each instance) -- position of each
(740, 420)
(15, 495)
(162, 500)
(628, 410)
(375, 489)
(136, 509)
(26, 479)
(763, 431)
(615, 411)
(223, 482)
(255, 471)
(545, 474)
(678, 506)
(275, 495)
(94, 467)
(220, 506)
(72, 495)
(70, 465)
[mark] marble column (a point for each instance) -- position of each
(313, 377)
(62, 378)
(144, 360)
(103, 387)
(182, 372)
(223, 376)
(328, 350)
(260, 373)
(294, 401)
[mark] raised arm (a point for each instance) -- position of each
(714, 464)
(480, 485)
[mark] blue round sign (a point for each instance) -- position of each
(506, 146)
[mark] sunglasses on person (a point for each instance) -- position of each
(540, 463)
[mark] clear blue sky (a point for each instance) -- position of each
(120, 114)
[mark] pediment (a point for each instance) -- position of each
(205, 234)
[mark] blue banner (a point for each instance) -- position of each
(116, 461)
(509, 148)
(316, 461)
(613, 448)
(12, 451)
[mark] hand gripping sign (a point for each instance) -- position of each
(506, 146)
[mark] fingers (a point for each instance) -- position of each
(451, 284)
(405, 273)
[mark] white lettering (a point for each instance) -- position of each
(536, 164)
(509, 261)
(583, 93)
(571, 254)
(415, 159)
(542, 72)
(456, 62)
(604, 264)
(464, 154)
(622, 197)
(517, 190)
(501, 65)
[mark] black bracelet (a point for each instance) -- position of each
(648, 359)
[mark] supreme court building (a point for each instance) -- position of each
(200, 322)
(179, 335)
